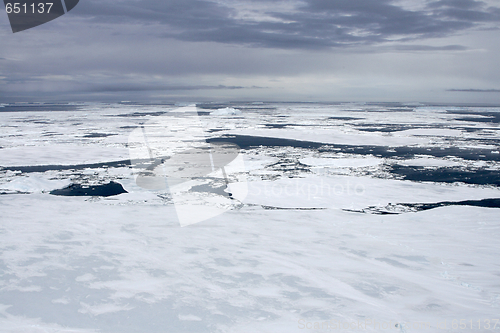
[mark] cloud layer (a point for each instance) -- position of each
(414, 50)
(300, 24)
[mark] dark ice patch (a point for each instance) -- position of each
(288, 125)
(51, 134)
(400, 208)
(140, 114)
(406, 152)
(213, 130)
(402, 109)
(384, 128)
(345, 118)
(277, 125)
(389, 128)
(471, 129)
(486, 203)
(214, 106)
(44, 168)
(248, 141)
(23, 107)
(447, 175)
(97, 135)
(479, 120)
(206, 188)
(477, 116)
(105, 190)
(42, 122)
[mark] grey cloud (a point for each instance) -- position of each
(464, 4)
(313, 23)
(418, 48)
(193, 14)
(129, 87)
(383, 20)
(476, 90)
(15, 82)
(362, 50)
(466, 10)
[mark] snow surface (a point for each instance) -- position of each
(282, 256)
(33, 184)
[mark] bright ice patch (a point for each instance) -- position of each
(225, 111)
(34, 184)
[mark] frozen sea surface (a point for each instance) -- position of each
(346, 217)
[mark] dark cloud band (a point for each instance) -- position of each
(311, 24)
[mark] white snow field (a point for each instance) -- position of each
(341, 218)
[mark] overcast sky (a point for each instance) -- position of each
(310, 50)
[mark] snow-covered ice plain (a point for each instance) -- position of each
(345, 217)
